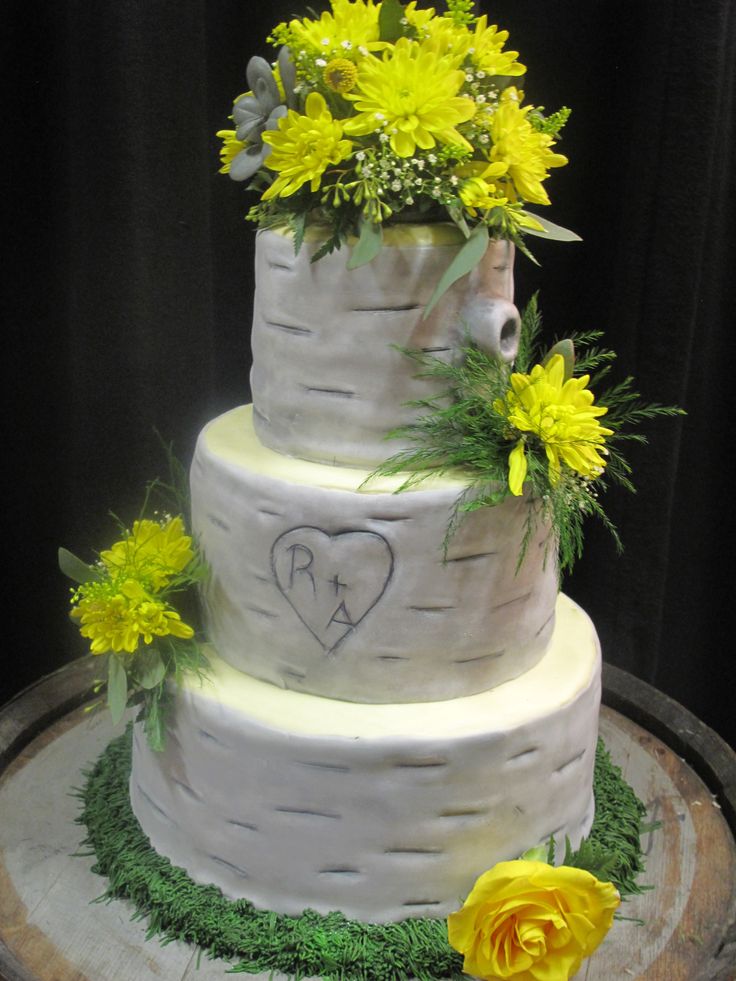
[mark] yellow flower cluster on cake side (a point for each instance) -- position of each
(126, 607)
(117, 615)
(154, 552)
(125, 604)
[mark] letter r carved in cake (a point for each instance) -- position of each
(296, 549)
(331, 581)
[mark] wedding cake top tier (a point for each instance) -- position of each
(331, 376)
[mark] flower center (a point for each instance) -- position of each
(340, 75)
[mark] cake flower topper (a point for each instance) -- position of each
(124, 605)
(376, 112)
(527, 920)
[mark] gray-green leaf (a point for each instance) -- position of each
(117, 688)
(555, 232)
(566, 348)
(75, 569)
(154, 724)
(368, 245)
(150, 670)
(470, 254)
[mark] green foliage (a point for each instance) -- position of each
(460, 430)
(552, 124)
(75, 569)
(461, 11)
(467, 258)
(117, 688)
(391, 21)
(331, 947)
(551, 231)
(368, 246)
(612, 851)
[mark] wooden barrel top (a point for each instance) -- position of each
(51, 929)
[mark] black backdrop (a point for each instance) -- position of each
(129, 283)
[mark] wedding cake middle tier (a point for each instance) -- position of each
(324, 583)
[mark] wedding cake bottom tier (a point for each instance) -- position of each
(383, 812)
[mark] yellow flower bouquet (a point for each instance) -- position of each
(126, 606)
(376, 112)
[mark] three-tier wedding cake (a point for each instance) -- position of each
(383, 721)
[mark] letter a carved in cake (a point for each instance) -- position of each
(342, 616)
(312, 567)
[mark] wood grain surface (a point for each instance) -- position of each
(52, 930)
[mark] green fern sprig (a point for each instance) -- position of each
(531, 332)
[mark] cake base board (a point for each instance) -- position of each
(51, 930)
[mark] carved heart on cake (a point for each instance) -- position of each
(331, 581)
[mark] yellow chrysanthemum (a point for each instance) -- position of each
(525, 152)
(411, 93)
(351, 25)
(486, 50)
(479, 194)
(231, 147)
(303, 147)
(483, 45)
(114, 616)
(154, 553)
(482, 195)
(448, 39)
(419, 19)
(561, 415)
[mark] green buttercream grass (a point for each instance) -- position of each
(533, 427)
(331, 947)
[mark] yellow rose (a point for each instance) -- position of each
(531, 921)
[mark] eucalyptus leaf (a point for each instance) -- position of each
(566, 348)
(154, 724)
(389, 21)
(470, 254)
(117, 688)
(456, 214)
(75, 569)
(150, 670)
(551, 231)
(368, 245)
